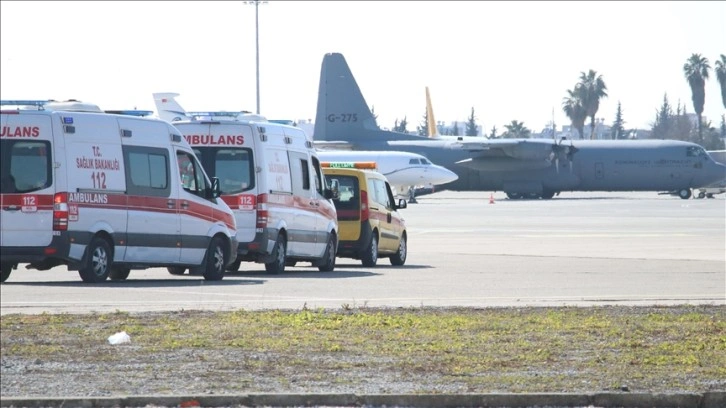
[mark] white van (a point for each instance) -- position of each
(271, 177)
(105, 193)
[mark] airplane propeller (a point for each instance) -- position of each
(559, 149)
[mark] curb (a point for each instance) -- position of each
(602, 400)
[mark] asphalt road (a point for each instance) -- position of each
(579, 249)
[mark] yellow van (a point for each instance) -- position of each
(369, 223)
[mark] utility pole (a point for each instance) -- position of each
(257, 47)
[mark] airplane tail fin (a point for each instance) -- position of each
(433, 131)
(342, 111)
(167, 107)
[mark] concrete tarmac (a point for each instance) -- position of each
(580, 249)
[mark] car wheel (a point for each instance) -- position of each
(118, 273)
(215, 260)
(279, 253)
(399, 258)
(176, 270)
(370, 255)
(5, 270)
(329, 256)
(96, 265)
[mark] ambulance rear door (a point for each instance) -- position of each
(27, 180)
(226, 151)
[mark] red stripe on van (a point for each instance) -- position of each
(130, 203)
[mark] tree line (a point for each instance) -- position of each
(583, 101)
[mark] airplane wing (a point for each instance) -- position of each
(332, 145)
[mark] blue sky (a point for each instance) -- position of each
(508, 60)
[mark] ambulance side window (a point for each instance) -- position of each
(319, 178)
(381, 196)
(24, 166)
(147, 171)
(191, 175)
(305, 174)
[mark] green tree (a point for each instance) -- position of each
(423, 127)
(593, 89)
(673, 125)
(401, 126)
(720, 68)
(516, 130)
(471, 129)
(455, 129)
(493, 135)
(575, 110)
(617, 131)
(696, 71)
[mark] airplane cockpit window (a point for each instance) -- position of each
(413, 161)
(425, 161)
(696, 151)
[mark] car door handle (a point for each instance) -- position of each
(185, 205)
(11, 208)
(170, 204)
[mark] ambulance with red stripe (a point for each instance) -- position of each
(104, 194)
(271, 178)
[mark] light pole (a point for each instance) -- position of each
(257, 46)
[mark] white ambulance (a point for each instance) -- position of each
(270, 176)
(104, 194)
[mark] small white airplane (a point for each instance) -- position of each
(405, 171)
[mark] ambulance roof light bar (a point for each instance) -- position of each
(70, 105)
(350, 165)
(131, 112)
(26, 102)
(207, 115)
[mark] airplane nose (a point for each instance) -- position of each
(442, 175)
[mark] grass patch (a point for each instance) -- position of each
(655, 349)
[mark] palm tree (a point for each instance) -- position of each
(516, 130)
(574, 109)
(720, 68)
(593, 89)
(696, 71)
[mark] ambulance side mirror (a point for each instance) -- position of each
(215, 192)
(401, 203)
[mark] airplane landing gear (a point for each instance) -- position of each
(412, 196)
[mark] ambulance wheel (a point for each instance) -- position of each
(329, 257)
(399, 258)
(370, 255)
(215, 260)
(96, 265)
(176, 270)
(278, 253)
(5, 270)
(118, 273)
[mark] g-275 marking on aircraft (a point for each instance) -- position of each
(522, 168)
